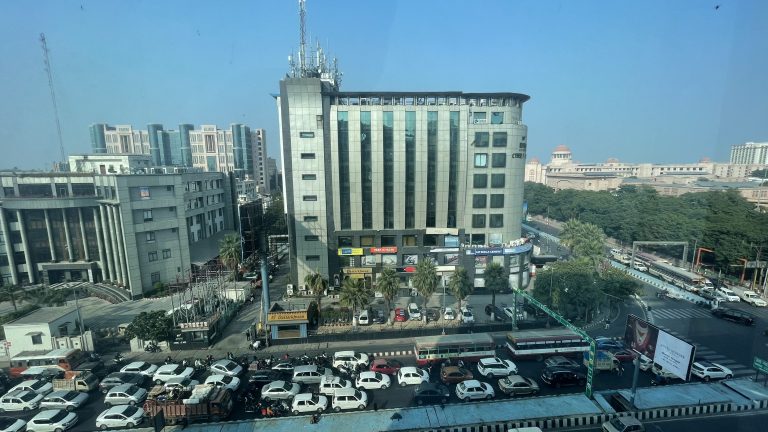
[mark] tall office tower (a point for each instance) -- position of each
(750, 153)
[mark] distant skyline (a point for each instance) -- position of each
(652, 81)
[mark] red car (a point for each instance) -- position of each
(386, 366)
(400, 315)
(624, 355)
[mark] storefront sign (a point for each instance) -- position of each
(357, 270)
(445, 268)
(409, 269)
(485, 251)
(350, 251)
(447, 231)
(384, 250)
(287, 316)
(202, 325)
(441, 250)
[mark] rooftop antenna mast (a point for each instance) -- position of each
(47, 63)
(303, 36)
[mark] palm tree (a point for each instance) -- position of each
(495, 281)
(317, 286)
(460, 285)
(229, 251)
(388, 284)
(8, 292)
(425, 279)
(353, 295)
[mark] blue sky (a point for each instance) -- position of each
(656, 81)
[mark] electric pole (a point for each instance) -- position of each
(49, 72)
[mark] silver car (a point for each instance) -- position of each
(64, 399)
(279, 390)
(125, 394)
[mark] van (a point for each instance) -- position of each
(349, 398)
(364, 318)
(310, 374)
(414, 313)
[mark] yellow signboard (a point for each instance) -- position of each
(350, 251)
(357, 270)
(287, 316)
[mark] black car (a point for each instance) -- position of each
(265, 376)
(118, 378)
(559, 377)
(430, 393)
(432, 314)
(734, 315)
(499, 314)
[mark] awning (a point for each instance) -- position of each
(34, 333)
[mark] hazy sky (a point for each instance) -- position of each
(656, 81)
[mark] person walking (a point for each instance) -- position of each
(607, 323)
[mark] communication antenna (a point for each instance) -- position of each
(48, 71)
(302, 37)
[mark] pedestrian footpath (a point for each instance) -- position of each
(705, 353)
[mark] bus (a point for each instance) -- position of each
(682, 278)
(540, 343)
(63, 359)
(465, 347)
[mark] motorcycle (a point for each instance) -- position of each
(168, 360)
(119, 358)
(152, 347)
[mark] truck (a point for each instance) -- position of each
(753, 298)
(203, 403)
(81, 381)
(604, 361)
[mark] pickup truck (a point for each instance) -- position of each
(77, 381)
(753, 298)
(604, 361)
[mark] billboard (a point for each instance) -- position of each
(673, 354)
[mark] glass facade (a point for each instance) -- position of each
(389, 171)
(410, 169)
(453, 168)
(343, 138)
(431, 168)
(365, 169)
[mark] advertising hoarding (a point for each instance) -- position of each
(673, 354)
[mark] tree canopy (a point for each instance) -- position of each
(459, 285)
(495, 280)
(585, 240)
(425, 279)
(388, 284)
(353, 294)
(151, 326)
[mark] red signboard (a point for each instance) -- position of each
(384, 250)
(409, 269)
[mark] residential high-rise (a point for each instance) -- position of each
(750, 153)
(377, 179)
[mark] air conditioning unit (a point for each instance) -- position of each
(289, 289)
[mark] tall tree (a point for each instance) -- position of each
(353, 294)
(229, 251)
(9, 293)
(459, 285)
(155, 326)
(495, 281)
(388, 284)
(425, 279)
(317, 285)
(584, 239)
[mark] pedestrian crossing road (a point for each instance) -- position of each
(679, 313)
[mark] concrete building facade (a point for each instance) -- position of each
(750, 153)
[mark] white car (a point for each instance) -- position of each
(125, 394)
(226, 367)
(350, 358)
(10, 424)
(329, 385)
(466, 316)
(308, 402)
(180, 383)
(411, 375)
(279, 390)
(414, 313)
(20, 400)
(123, 416)
(226, 381)
(140, 367)
(474, 389)
(41, 387)
(449, 314)
(69, 400)
(372, 380)
(349, 399)
(509, 311)
(728, 294)
(52, 421)
(708, 370)
(496, 367)
(645, 363)
(753, 298)
(166, 372)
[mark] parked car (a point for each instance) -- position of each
(400, 315)
(432, 314)
(122, 416)
(449, 314)
(494, 366)
(708, 370)
(117, 378)
(125, 394)
(557, 377)
(509, 312)
(734, 315)
(349, 399)
(219, 380)
(624, 355)
(38, 386)
(20, 400)
(330, 384)
(623, 424)
(414, 313)
(10, 424)
(429, 393)
(515, 385)
(372, 381)
(474, 389)
(561, 362)
(379, 317)
(69, 400)
(308, 402)
(140, 367)
(645, 363)
(52, 421)
(499, 315)
(279, 390)
(411, 375)
(180, 383)
(350, 358)
(753, 298)
(466, 315)
(166, 372)
(454, 374)
(386, 366)
(226, 367)
(365, 318)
